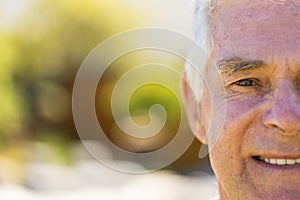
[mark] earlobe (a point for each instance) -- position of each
(192, 111)
(201, 134)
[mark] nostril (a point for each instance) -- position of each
(281, 130)
(284, 119)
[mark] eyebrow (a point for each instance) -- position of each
(237, 64)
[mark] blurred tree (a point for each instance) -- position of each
(40, 55)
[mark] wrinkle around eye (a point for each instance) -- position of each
(248, 87)
(245, 83)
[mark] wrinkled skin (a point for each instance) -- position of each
(262, 102)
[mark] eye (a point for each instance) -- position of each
(245, 83)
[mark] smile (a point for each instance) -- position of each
(278, 161)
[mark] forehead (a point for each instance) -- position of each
(256, 29)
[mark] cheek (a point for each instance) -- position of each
(227, 162)
(226, 145)
(242, 109)
(240, 115)
(227, 152)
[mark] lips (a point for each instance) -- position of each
(278, 161)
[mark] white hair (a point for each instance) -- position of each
(201, 35)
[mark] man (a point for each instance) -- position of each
(255, 44)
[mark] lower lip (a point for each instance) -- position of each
(276, 167)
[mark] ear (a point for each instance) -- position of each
(194, 112)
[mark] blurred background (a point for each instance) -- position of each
(43, 43)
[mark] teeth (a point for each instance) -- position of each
(281, 161)
(275, 161)
(290, 161)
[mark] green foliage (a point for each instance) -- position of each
(145, 97)
(39, 56)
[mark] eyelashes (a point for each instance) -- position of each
(250, 85)
(246, 83)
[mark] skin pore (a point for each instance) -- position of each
(257, 50)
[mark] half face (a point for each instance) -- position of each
(257, 50)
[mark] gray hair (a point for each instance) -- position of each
(201, 35)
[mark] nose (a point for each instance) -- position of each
(284, 112)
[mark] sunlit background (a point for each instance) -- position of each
(42, 45)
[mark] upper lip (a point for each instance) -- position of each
(278, 156)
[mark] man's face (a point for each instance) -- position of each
(257, 50)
